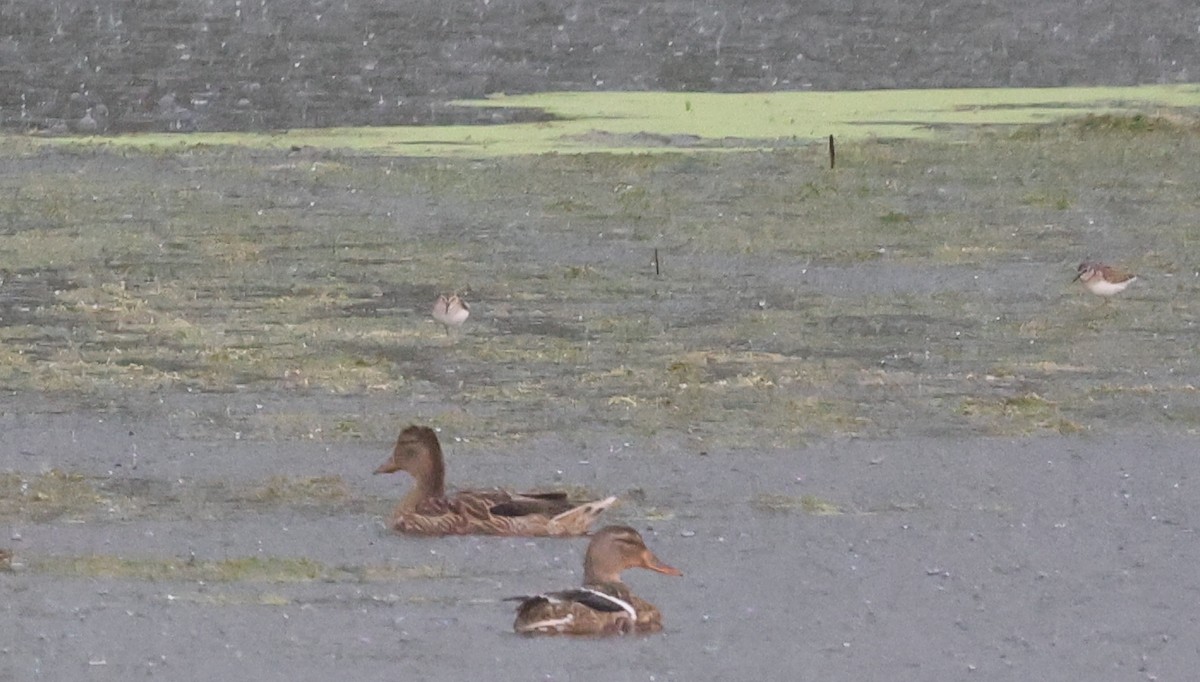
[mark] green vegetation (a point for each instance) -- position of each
(1018, 415)
(57, 494)
(656, 122)
(283, 489)
(809, 504)
(241, 569)
(45, 497)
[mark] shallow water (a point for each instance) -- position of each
(228, 65)
(1002, 558)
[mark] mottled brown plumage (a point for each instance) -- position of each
(1103, 280)
(428, 510)
(604, 605)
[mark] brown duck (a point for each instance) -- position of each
(428, 510)
(604, 605)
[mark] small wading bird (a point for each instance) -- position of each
(1103, 280)
(87, 124)
(450, 311)
(604, 605)
(428, 510)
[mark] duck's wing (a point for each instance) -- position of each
(553, 504)
(472, 503)
(595, 599)
(547, 504)
(552, 495)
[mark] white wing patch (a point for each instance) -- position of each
(558, 624)
(590, 509)
(621, 603)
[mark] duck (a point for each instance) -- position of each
(1103, 280)
(427, 510)
(603, 605)
(450, 311)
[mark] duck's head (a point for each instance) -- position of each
(616, 548)
(418, 452)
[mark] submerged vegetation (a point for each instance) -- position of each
(240, 569)
(809, 504)
(73, 496)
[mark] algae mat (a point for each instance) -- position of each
(643, 122)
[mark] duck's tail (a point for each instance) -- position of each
(577, 520)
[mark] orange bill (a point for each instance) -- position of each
(652, 562)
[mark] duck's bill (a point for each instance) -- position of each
(653, 563)
(387, 467)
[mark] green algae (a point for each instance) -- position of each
(650, 122)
